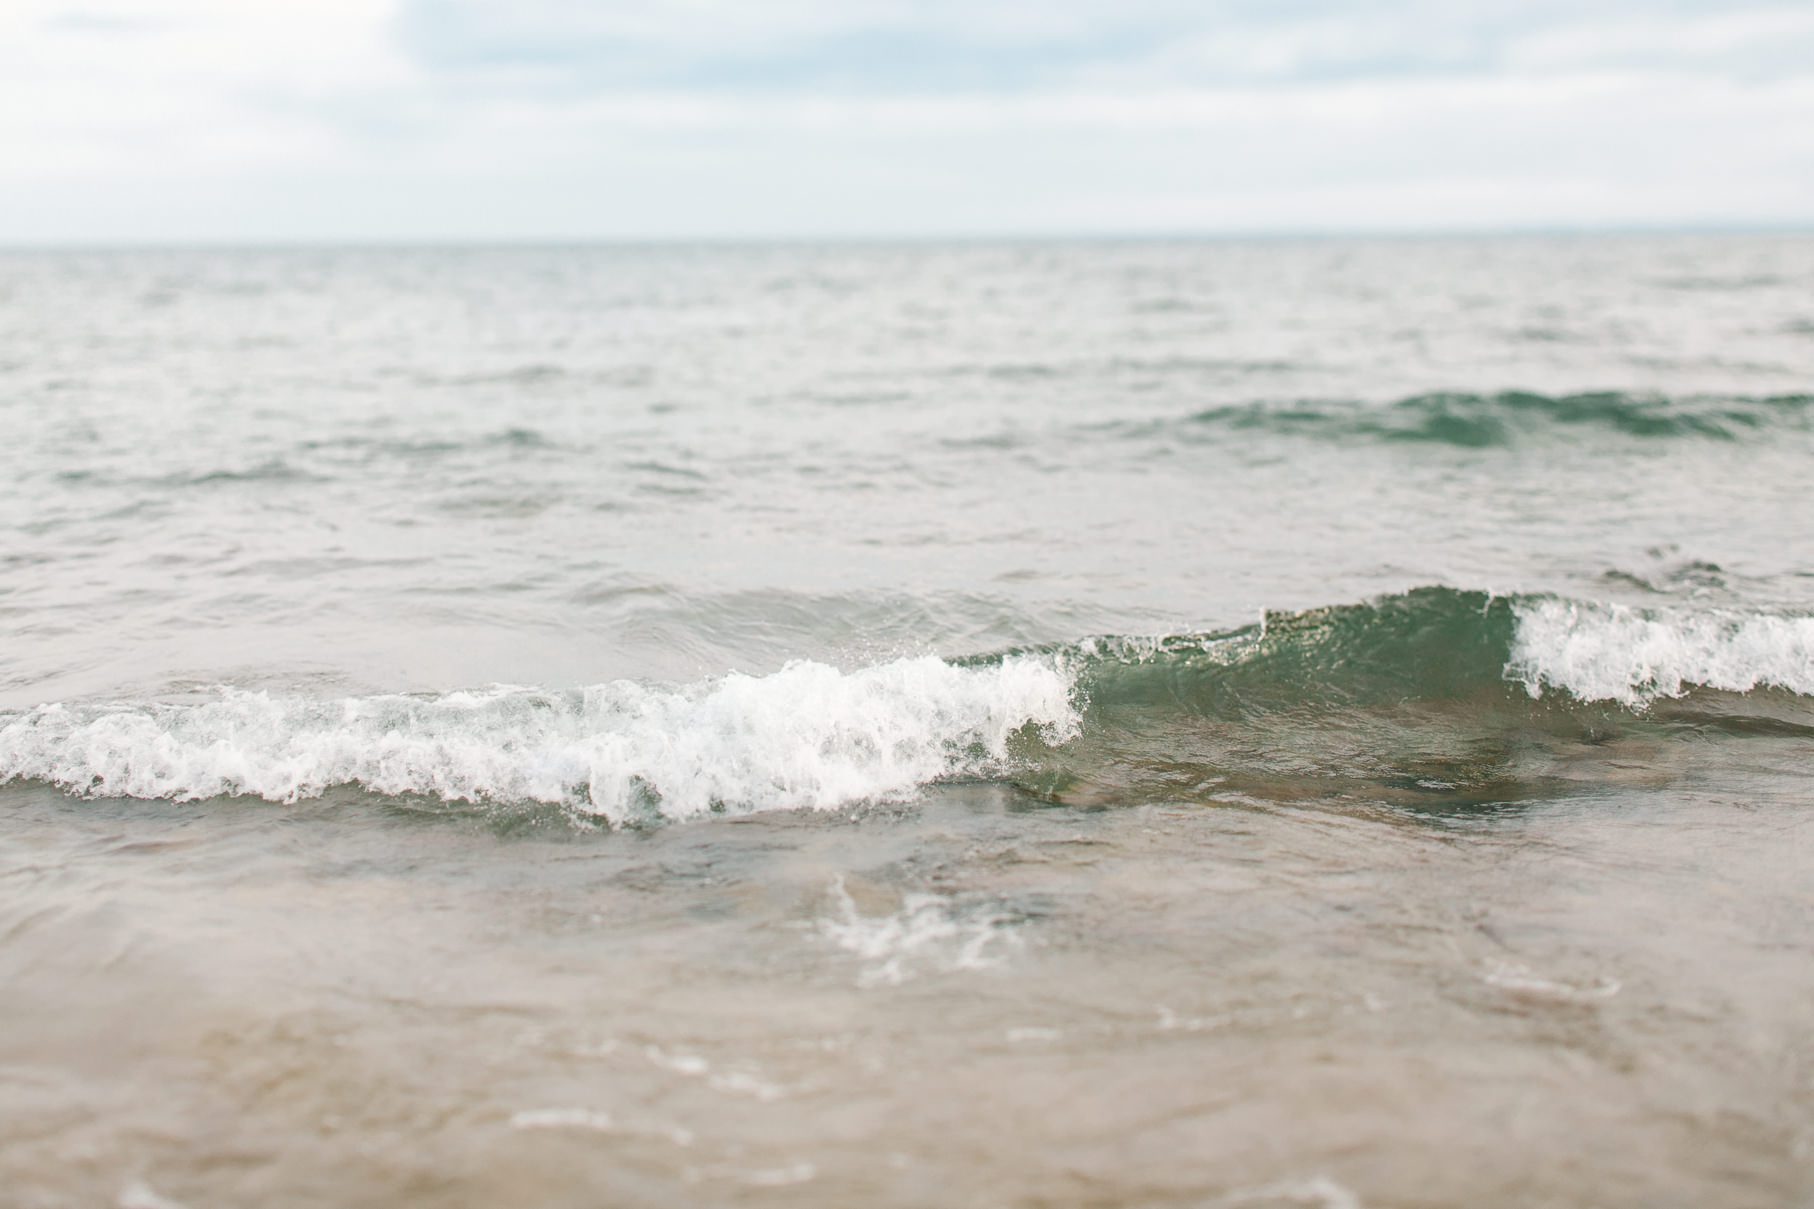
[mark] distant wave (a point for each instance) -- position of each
(813, 737)
(1486, 421)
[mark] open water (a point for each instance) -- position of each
(1319, 723)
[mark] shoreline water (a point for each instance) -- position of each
(1182, 1002)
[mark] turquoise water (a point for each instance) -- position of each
(724, 723)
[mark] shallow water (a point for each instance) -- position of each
(1299, 723)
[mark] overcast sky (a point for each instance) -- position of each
(237, 120)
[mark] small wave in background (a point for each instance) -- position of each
(1513, 418)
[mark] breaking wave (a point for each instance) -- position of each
(813, 737)
(807, 736)
(1436, 643)
(1614, 653)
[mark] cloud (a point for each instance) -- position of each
(250, 119)
(872, 46)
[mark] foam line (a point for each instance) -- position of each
(808, 736)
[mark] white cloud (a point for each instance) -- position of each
(242, 119)
(1736, 42)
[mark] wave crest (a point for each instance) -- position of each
(1443, 643)
(807, 736)
(1599, 652)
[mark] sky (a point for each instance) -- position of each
(499, 120)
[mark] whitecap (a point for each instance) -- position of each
(1606, 652)
(808, 736)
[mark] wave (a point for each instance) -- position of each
(1489, 421)
(1280, 693)
(808, 736)
(1437, 643)
(1615, 653)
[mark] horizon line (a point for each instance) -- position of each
(1716, 227)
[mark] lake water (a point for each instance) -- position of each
(1317, 723)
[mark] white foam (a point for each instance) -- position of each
(1520, 980)
(1319, 1192)
(140, 1195)
(1602, 652)
(931, 932)
(780, 1177)
(735, 1082)
(561, 1118)
(808, 736)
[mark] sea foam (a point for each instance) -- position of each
(931, 932)
(1603, 652)
(808, 736)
